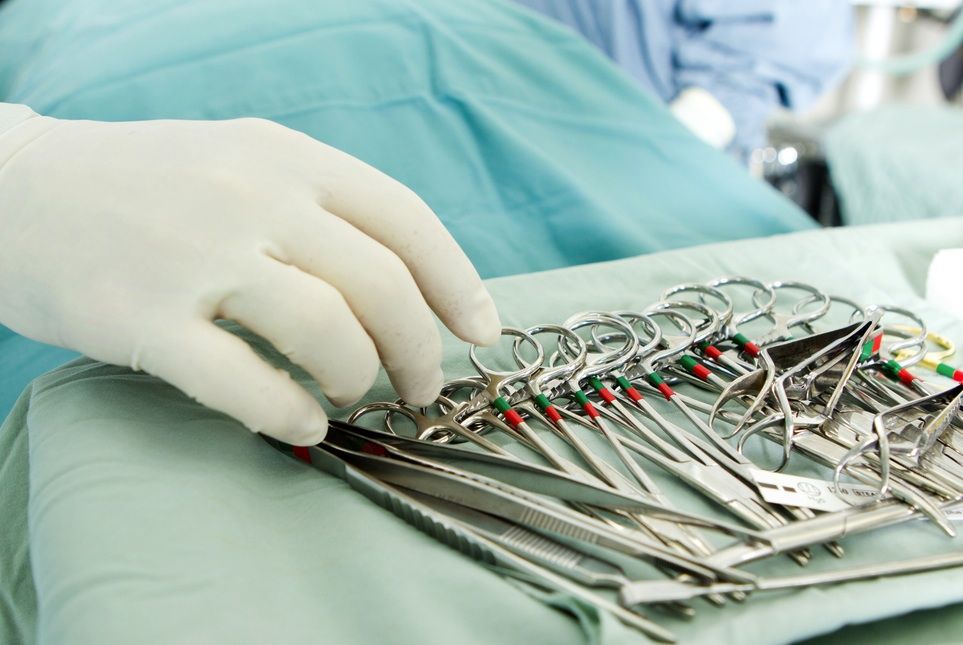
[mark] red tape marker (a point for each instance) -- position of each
(373, 449)
(513, 418)
(666, 391)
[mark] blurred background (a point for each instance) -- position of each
(887, 143)
(851, 108)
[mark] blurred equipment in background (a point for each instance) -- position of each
(887, 145)
(747, 58)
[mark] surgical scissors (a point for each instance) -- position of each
(784, 321)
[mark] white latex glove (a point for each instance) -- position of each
(124, 241)
(704, 115)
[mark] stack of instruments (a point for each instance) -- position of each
(639, 460)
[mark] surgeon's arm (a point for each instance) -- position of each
(752, 57)
(126, 241)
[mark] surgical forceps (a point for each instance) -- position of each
(726, 328)
(660, 591)
(784, 321)
(792, 358)
(453, 420)
(532, 399)
(467, 419)
(829, 452)
(607, 361)
(703, 466)
(824, 395)
(910, 431)
(934, 360)
(514, 472)
(761, 306)
(441, 428)
(722, 452)
(787, 379)
(458, 536)
(431, 477)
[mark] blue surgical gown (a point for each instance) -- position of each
(752, 55)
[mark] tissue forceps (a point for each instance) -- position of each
(658, 591)
(534, 478)
(454, 535)
(491, 496)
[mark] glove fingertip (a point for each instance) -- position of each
(309, 430)
(482, 325)
(424, 394)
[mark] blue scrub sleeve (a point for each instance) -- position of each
(752, 55)
(759, 55)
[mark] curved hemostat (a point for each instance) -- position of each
(756, 384)
(791, 369)
(914, 427)
(798, 383)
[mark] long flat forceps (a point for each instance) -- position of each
(459, 537)
(540, 513)
(660, 591)
(531, 477)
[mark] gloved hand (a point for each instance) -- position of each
(124, 241)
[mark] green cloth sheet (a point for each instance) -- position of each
(134, 515)
(898, 162)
